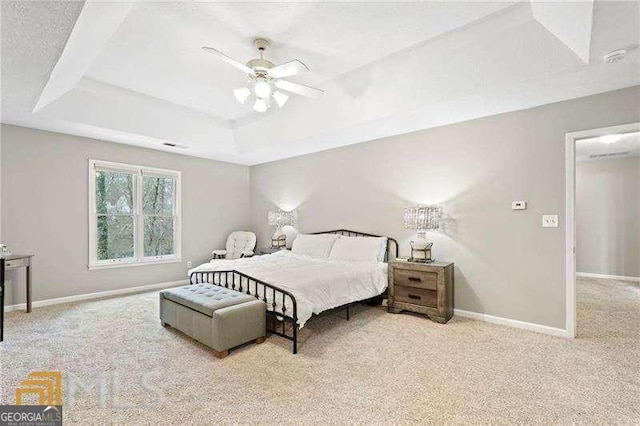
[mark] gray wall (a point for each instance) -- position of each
(608, 217)
(45, 210)
(1, 188)
(506, 264)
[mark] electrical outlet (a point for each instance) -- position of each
(189, 264)
(549, 220)
(518, 205)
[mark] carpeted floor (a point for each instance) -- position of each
(120, 366)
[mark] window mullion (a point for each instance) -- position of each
(139, 221)
(177, 232)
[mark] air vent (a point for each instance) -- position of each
(174, 145)
(609, 155)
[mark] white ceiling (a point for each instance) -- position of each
(156, 50)
(594, 149)
(134, 72)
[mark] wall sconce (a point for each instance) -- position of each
(280, 218)
(422, 218)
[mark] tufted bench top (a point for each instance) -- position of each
(205, 298)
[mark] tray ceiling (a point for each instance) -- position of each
(134, 72)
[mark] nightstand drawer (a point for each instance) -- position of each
(418, 279)
(416, 296)
(16, 263)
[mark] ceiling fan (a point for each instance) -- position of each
(264, 78)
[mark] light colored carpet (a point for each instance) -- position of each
(376, 368)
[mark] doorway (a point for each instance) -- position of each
(590, 146)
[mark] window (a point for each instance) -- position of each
(134, 215)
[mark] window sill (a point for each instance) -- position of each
(132, 264)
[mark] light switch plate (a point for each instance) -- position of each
(549, 220)
(518, 205)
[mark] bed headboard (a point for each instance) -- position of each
(392, 245)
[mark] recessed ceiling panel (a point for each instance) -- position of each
(156, 50)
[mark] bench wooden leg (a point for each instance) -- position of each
(260, 340)
(222, 354)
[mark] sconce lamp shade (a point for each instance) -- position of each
(422, 217)
(281, 218)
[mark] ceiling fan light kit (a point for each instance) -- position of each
(260, 105)
(242, 94)
(264, 77)
(280, 98)
(262, 88)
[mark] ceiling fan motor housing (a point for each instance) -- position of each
(260, 64)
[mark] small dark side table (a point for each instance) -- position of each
(13, 262)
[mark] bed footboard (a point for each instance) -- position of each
(281, 304)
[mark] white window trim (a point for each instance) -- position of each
(138, 259)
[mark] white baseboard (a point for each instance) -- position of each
(98, 295)
(120, 292)
(605, 276)
(558, 332)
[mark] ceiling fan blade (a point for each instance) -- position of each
(287, 70)
(299, 89)
(229, 60)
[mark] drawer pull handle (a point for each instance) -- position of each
(414, 279)
(413, 296)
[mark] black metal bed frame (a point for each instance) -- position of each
(348, 233)
(244, 283)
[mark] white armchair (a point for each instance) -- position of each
(239, 244)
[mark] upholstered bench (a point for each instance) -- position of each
(215, 316)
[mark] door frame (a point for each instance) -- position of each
(570, 212)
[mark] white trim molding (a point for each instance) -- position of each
(538, 328)
(144, 262)
(570, 214)
(570, 234)
(97, 295)
(607, 277)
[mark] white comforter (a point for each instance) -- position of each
(317, 284)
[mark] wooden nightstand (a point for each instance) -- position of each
(424, 288)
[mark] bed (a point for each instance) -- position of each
(296, 286)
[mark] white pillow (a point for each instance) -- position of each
(314, 245)
(371, 249)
